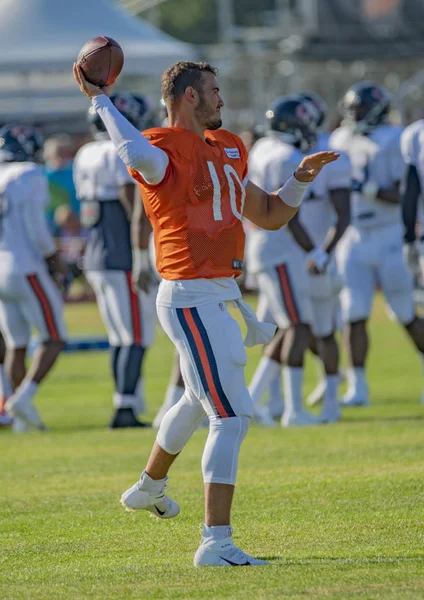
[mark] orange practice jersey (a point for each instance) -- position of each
(196, 209)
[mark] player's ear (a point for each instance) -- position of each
(191, 94)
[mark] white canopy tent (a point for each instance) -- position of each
(40, 40)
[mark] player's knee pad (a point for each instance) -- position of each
(355, 307)
(178, 425)
(401, 307)
(323, 319)
(397, 286)
(220, 457)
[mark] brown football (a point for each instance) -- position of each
(101, 60)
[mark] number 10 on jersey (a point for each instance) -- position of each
(231, 176)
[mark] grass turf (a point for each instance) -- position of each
(337, 510)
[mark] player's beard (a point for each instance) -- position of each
(206, 115)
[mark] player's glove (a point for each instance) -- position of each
(411, 253)
(317, 261)
(58, 271)
(142, 274)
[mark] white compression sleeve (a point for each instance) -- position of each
(220, 456)
(132, 147)
(293, 191)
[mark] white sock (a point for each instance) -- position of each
(151, 485)
(125, 401)
(293, 381)
(217, 532)
(28, 388)
(5, 387)
(275, 387)
(263, 377)
(355, 378)
(331, 391)
(276, 398)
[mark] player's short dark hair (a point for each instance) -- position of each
(181, 75)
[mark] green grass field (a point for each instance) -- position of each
(337, 510)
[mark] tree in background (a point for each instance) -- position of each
(195, 21)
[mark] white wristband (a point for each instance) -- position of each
(293, 191)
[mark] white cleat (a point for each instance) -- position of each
(23, 408)
(262, 416)
(317, 394)
(355, 400)
(357, 395)
(138, 498)
(331, 414)
(223, 553)
(300, 419)
(275, 406)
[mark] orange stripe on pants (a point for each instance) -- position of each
(205, 362)
(135, 311)
(45, 306)
(288, 296)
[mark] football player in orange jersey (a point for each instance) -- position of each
(195, 188)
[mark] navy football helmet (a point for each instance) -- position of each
(296, 119)
(364, 106)
(319, 104)
(20, 143)
(134, 108)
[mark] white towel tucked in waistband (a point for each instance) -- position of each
(257, 332)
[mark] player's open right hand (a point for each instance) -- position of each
(88, 89)
(312, 164)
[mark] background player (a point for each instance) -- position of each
(108, 196)
(30, 271)
(194, 187)
(412, 145)
(321, 222)
(278, 261)
(371, 254)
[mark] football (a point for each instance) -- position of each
(101, 60)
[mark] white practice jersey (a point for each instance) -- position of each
(316, 212)
(99, 172)
(24, 196)
(412, 147)
(271, 163)
(376, 158)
